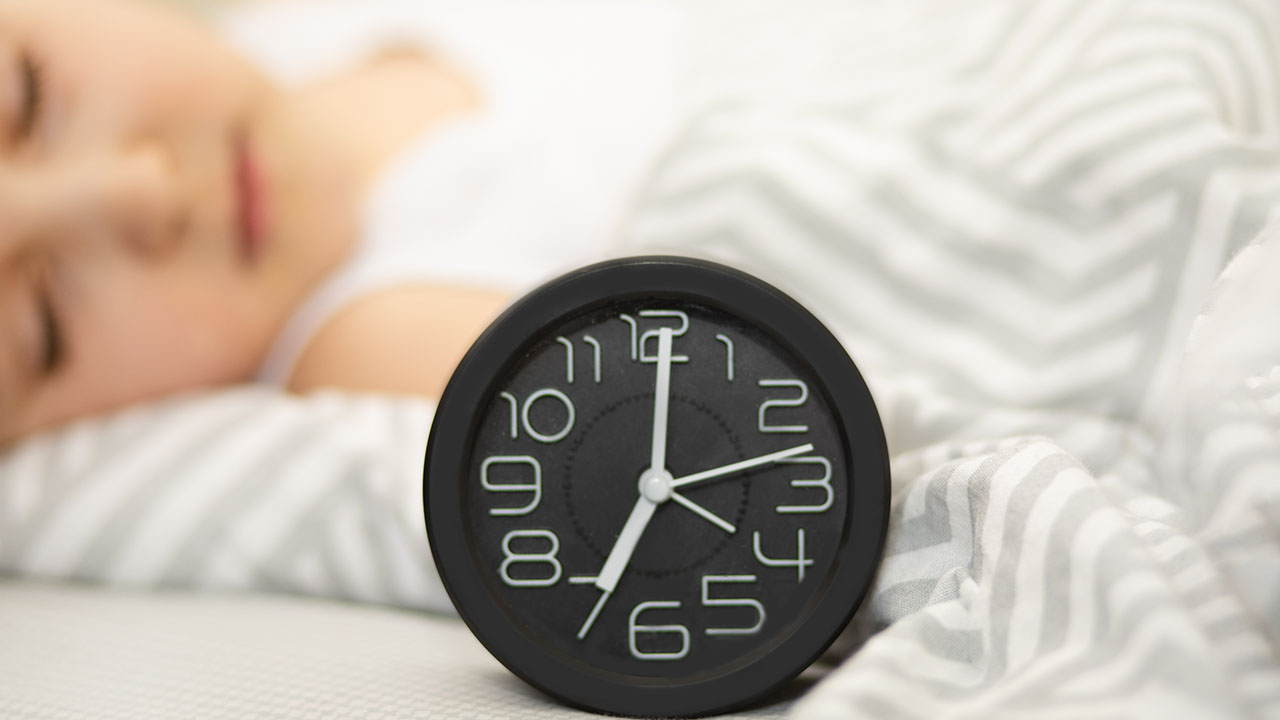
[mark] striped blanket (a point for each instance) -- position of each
(1047, 232)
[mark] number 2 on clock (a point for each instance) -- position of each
(763, 425)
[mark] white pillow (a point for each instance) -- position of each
(245, 488)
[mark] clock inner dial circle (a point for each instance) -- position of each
(599, 487)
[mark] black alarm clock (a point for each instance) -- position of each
(656, 486)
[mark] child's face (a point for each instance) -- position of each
(152, 236)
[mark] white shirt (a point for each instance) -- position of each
(577, 97)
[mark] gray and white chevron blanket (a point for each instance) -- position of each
(1049, 234)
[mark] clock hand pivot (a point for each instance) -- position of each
(655, 485)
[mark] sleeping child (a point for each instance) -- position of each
(347, 210)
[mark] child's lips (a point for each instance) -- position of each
(250, 211)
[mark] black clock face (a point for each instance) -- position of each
(655, 502)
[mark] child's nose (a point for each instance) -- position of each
(129, 195)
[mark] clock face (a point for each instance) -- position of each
(652, 498)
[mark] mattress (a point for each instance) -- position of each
(69, 651)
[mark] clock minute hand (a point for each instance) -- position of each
(743, 465)
(618, 558)
(642, 512)
(661, 402)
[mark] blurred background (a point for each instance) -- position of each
(1046, 232)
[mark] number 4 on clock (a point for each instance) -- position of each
(799, 562)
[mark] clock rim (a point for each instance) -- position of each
(452, 438)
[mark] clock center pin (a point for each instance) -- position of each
(655, 485)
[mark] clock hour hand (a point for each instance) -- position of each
(619, 556)
(625, 545)
(742, 465)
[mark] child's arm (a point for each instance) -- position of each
(403, 340)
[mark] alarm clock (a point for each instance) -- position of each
(656, 486)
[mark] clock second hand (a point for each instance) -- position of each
(721, 472)
(742, 465)
(642, 513)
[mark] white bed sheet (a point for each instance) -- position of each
(75, 652)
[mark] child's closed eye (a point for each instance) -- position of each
(51, 338)
(53, 346)
(31, 82)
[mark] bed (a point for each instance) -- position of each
(129, 653)
(1048, 233)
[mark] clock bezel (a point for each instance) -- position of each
(488, 363)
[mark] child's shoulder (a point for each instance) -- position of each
(405, 339)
